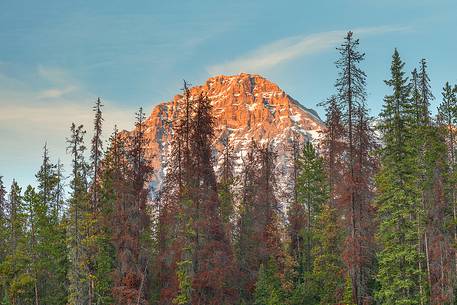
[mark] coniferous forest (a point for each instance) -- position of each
(372, 217)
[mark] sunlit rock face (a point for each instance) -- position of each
(245, 107)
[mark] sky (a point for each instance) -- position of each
(57, 57)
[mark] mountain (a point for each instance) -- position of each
(245, 107)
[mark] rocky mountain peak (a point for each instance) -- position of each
(245, 107)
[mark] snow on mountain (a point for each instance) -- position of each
(245, 107)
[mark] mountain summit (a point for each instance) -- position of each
(245, 107)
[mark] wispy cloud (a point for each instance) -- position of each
(61, 101)
(31, 116)
(281, 51)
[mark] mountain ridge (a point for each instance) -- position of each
(245, 107)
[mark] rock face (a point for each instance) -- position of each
(245, 107)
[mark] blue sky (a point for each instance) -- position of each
(57, 57)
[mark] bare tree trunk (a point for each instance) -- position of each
(419, 246)
(36, 294)
(429, 279)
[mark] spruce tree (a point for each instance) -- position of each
(447, 119)
(77, 218)
(312, 194)
(36, 214)
(296, 215)
(245, 244)
(425, 93)
(111, 181)
(3, 232)
(225, 187)
(16, 274)
(333, 146)
(51, 230)
(328, 265)
(351, 89)
(98, 243)
(399, 208)
(268, 289)
(213, 257)
(132, 233)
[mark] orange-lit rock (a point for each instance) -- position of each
(245, 107)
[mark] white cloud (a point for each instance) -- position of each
(55, 92)
(29, 117)
(281, 51)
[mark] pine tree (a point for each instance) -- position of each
(268, 289)
(425, 93)
(333, 148)
(322, 263)
(36, 213)
(99, 260)
(77, 218)
(399, 209)
(225, 187)
(245, 243)
(15, 271)
(111, 181)
(447, 119)
(328, 265)
(351, 89)
(50, 251)
(202, 267)
(132, 220)
(3, 233)
(296, 215)
(436, 203)
(259, 228)
(213, 261)
(173, 225)
(312, 194)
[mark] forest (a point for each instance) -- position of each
(372, 217)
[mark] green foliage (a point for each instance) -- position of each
(348, 294)
(77, 214)
(325, 282)
(399, 208)
(268, 289)
(312, 194)
(185, 283)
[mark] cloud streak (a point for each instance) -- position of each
(29, 117)
(284, 50)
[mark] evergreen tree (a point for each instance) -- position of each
(213, 258)
(296, 215)
(312, 193)
(111, 180)
(225, 187)
(320, 280)
(77, 218)
(36, 216)
(435, 199)
(98, 244)
(425, 93)
(3, 233)
(132, 221)
(399, 209)
(245, 243)
(351, 89)
(202, 269)
(328, 265)
(259, 229)
(447, 119)
(268, 289)
(333, 148)
(50, 250)
(15, 271)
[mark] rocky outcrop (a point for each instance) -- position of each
(245, 107)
